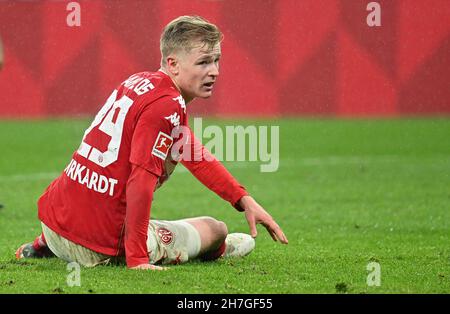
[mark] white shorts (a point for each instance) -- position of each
(72, 252)
(168, 242)
(172, 242)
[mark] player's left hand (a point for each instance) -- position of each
(148, 267)
(255, 214)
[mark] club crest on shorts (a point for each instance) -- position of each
(162, 145)
(165, 235)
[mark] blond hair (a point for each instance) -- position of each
(185, 32)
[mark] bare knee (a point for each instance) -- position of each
(218, 228)
(213, 240)
(212, 232)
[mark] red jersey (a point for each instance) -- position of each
(87, 203)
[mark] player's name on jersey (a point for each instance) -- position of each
(139, 84)
(91, 179)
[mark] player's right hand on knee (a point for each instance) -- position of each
(149, 267)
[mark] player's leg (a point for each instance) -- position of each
(72, 252)
(212, 235)
(174, 242)
(36, 249)
(217, 242)
(49, 243)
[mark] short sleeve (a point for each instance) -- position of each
(152, 139)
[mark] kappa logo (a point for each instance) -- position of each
(181, 101)
(174, 119)
(165, 235)
(162, 145)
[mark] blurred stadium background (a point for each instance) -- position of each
(280, 58)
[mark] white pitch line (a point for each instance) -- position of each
(340, 160)
(309, 161)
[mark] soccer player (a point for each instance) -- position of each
(98, 209)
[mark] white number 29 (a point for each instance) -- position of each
(113, 129)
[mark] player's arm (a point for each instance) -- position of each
(139, 195)
(147, 167)
(211, 173)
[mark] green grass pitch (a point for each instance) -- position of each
(347, 193)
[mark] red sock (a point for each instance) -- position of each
(210, 256)
(39, 242)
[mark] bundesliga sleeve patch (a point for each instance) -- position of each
(162, 145)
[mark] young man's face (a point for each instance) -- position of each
(198, 70)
